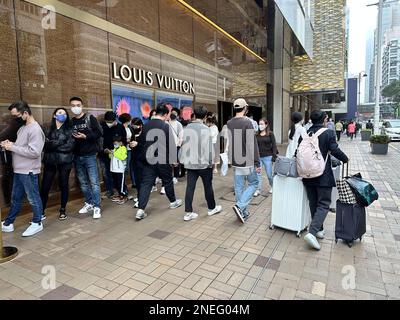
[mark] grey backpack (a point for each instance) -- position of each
(286, 167)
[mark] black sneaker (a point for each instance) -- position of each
(62, 215)
(238, 212)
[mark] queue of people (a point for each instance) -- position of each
(162, 148)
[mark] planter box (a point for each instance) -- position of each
(365, 135)
(379, 148)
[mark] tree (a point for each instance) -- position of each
(392, 92)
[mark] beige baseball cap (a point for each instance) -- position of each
(240, 103)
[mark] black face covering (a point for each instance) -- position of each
(20, 121)
(173, 116)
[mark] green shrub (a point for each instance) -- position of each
(379, 138)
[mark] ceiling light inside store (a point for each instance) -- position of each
(215, 26)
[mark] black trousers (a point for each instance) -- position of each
(7, 181)
(119, 183)
(338, 134)
(149, 175)
(49, 173)
(206, 176)
(320, 200)
(137, 167)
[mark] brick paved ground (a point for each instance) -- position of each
(163, 257)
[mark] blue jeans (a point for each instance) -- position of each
(25, 184)
(244, 195)
(87, 173)
(266, 162)
(108, 180)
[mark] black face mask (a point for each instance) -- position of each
(20, 121)
(173, 116)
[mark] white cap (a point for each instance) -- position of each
(240, 103)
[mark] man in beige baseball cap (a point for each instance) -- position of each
(244, 156)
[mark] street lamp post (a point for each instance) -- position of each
(378, 71)
(362, 74)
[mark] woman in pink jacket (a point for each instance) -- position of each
(351, 129)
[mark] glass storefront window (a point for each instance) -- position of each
(182, 102)
(137, 102)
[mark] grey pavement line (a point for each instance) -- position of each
(266, 264)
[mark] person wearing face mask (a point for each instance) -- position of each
(158, 152)
(88, 142)
(8, 133)
(125, 120)
(27, 154)
(58, 159)
(177, 130)
(136, 164)
(268, 152)
(111, 128)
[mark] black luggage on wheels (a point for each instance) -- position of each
(350, 222)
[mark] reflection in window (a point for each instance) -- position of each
(184, 103)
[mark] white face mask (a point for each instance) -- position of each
(76, 110)
(110, 125)
(262, 127)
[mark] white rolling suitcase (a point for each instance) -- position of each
(335, 194)
(290, 206)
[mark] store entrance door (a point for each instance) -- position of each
(225, 112)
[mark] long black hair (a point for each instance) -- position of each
(67, 122)
(296, 118)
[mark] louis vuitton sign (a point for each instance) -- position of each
(148, 78)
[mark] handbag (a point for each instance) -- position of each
(286, 167)
(364, 191)
(346, 194)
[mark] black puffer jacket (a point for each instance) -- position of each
(59, 146)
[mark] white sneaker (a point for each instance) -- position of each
(96, 213)
(9, 228)
(154, 189)
(86, 208)
(136, 205)
(162, 191)
(216, 210)
(136, 199)
(158, 180)
(43, 217)
(270, 191)
(130, 197)
(141, 214)
(190, 216)
(312, 241)
(175, 204)
(256, 194)
(321, 234)
(175, 180)
(33, 229)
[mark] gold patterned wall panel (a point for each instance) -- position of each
(327, 69)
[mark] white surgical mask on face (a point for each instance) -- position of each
(110, 124)
(262, 127)
(76, 110)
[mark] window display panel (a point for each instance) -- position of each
(137, 102)
(184, 103)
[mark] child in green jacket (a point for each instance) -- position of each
(117, 167)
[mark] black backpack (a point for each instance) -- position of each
(100, 141)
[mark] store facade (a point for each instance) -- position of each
(128, 55)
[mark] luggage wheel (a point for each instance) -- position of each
(350, 244)
(271, 227)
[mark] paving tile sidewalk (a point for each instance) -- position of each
(163, 257)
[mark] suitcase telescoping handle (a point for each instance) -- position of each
(347, 170)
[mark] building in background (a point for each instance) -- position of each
(391, 61)
(320, 82)
(369, 68)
